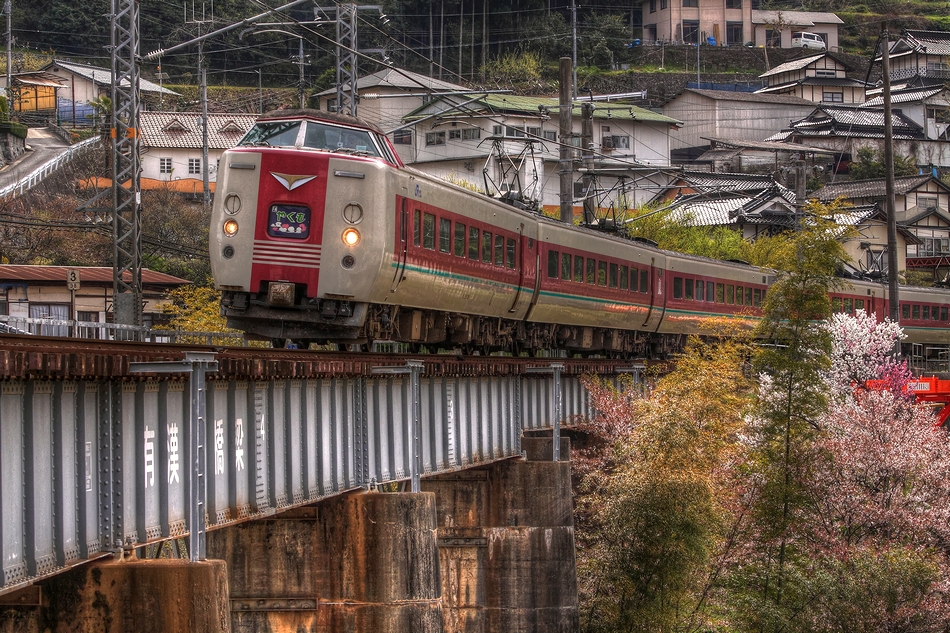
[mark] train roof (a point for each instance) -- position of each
(333, 117)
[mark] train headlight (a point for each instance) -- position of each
(230, 228)
(351, 237)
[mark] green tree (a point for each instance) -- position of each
(770, 585)
(195, 308)
(657, 516)
(870, 164)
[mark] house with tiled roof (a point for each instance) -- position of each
(388, 95)
(689, 182)
(83, 83)
(456, 137)
(846, 129)
(819, 78)
(724, 114)
(919, 53)
(928, 107)
(921, 209)
(172, 146)
(767, 212)
(41, 292)
(775, 28)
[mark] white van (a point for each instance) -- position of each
(808, 40)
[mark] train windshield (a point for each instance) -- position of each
(314, 135)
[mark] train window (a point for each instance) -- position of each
(720, 292)
(688, 287)
(428, 231)
(612, 275)
(601, 273)
(710, 291)
(417, 228)
(905, 311)
(915, 310)
(566, 266)
(858, 304)
(634, 280)
(756, 297)
(511, 253)
(623, 277)
(644, 281)
(579, 269)
(700, 290)
(748, 296)
(848, 305)
(553, 257)
(739, 295)
(730, 294)
(677, 287)
(473, 242)
(933, 314)
(274, 134)
(445, 235)
(486, 247)
(926, 314)
(591, 270)
(459, 239)
(499, 250)
(836, 304)
(943, 313)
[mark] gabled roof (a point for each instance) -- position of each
(872, 188)
(183, 129)
(929, 42)
(748, 97)
(926, 213)
(88, 274)
(531, 106)
(795, 18)
(39, 78)
(401, 79)
(714, 183)
(860, 214)
(804, 62)
(102, 76)
(767, 207)
(838, 82)
(855, 121)
(915, 95)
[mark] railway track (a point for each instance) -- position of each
(55, 358)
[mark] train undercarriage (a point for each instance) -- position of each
(361, 325)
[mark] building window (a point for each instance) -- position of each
(550, 135)
(733, 33)
(164, 165)
(691, 3)
(455, 135)
(652, 6)
(194, 165)
(471, 134)
(832, 97)
(496, 130)
(691, 31)
(733, 4)
(773, 37)
(662, 4)
(926, 202)
(435, 138)
(533, 131)
(517, 132)
(826, 73)
(402, 137)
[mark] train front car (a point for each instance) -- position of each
(301, 226)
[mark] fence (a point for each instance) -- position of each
(40, 174)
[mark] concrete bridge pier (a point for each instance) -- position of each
(146, 596)
(359, 562)
(506, 544)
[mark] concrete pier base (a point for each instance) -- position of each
(361, 562)
(145, 596)
(506, 546)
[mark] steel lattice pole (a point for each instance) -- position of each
(346, 59)
(126, 166)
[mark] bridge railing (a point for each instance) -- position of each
(96, 458)
(42, 172)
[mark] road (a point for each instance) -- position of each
(45, 147)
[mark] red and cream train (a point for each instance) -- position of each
(320, 234)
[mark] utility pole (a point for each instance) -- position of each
(126, 165)
(205, 177)
(893, 291)
(8, 9)
(346, 43)
(300, 82)
(587, 158)
(574, 49)
(566, 161)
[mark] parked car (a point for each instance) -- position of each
(801, 39)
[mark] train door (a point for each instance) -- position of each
(402, 245)
(520, 263)
(654, 316)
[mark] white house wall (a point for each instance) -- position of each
(151, 167)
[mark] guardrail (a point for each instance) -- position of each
(41, 173)
(114, 331)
